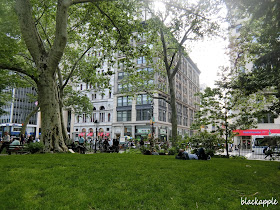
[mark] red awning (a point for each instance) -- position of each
(90, 134)
(81, 134)
(100, 134)
(107, 134)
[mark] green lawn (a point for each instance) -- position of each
(126, 181)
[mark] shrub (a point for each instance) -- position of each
(35, 147)
(172, 151)
(237, 157)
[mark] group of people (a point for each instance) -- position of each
(8, 142)
(200, 155)
(101, 145)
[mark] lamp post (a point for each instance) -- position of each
(96, 135)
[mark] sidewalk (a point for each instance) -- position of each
(250, 155)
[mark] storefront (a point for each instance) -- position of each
(163, 134)
(243, 138)
(142, 132)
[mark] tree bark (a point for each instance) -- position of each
(51, 118)
(173, 111)
(46, 64)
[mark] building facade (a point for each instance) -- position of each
(17, 111)
(143, 115)
(99, 123)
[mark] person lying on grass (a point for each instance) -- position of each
(184, 155)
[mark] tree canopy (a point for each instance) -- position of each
(257, 43)
(49, 41)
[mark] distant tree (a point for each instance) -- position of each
(211, 142)
(168, 32)
(226, 109)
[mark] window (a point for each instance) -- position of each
(81, 87)
(162, 115)
(120, 75)
(185, 121)
(119, 87)
(102, 117)
(109, 117)
(266, 118)
(141, 60)
(124, 116)
(144, 114)
(84, 118)
(110, 94)
(124, 101)
(143, 99)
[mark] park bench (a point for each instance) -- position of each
(17, 149)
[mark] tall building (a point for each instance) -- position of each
(99, 123)
(136, 117)
(17, 111)
(117, 115)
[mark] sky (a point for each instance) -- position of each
(209, 55)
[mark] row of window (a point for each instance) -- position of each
(84, 118)
(140, 100)
(122, 75)
(94, 96)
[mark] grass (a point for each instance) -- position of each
(125, 181)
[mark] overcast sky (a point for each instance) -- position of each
(209, 55)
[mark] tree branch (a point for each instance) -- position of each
(181, 43)
(164, 52)
(47, 37)
(113, 23)
(86, 1)
(74, 66)
(29, 31)
(177, 65)
(19, 70)
(28, 118)
(158, 97)
(60, 39)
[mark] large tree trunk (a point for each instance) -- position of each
(64, 131)
(46, 62)
(173, 112)
(51, 120)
